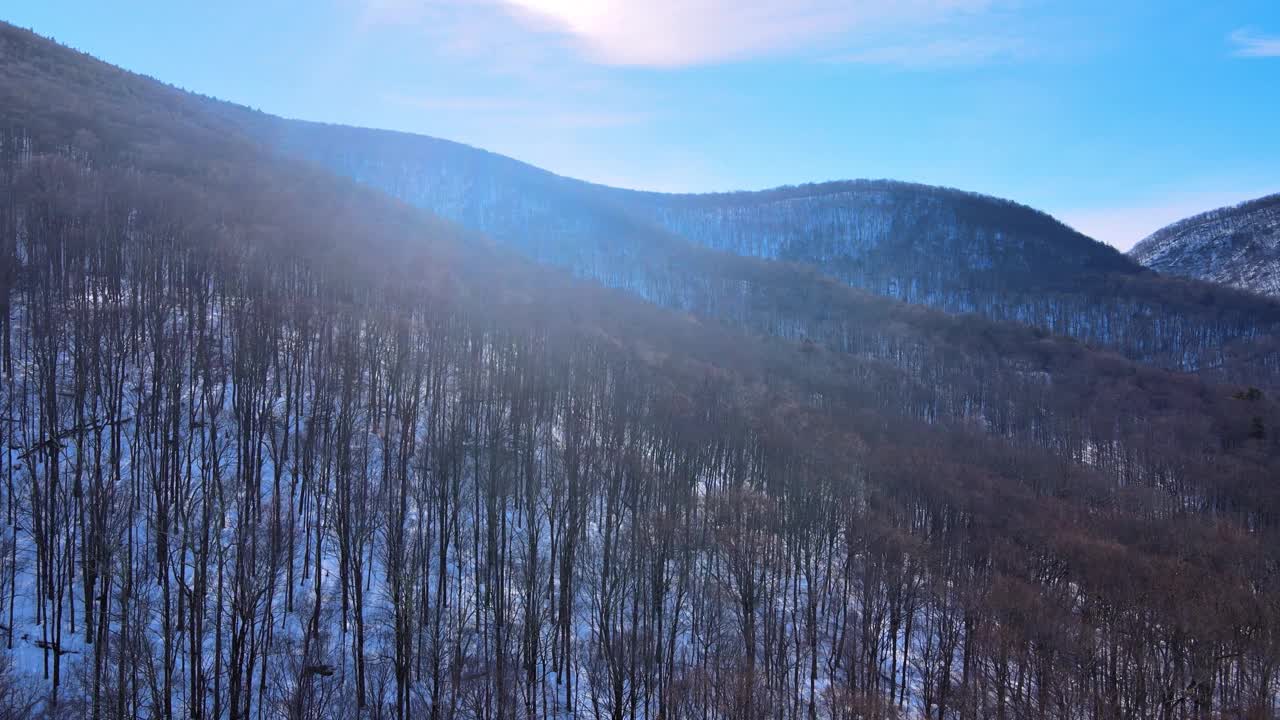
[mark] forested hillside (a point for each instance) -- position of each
(274, 444)
(956, 251)
(1237, 246)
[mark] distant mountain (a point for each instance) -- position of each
(1237, 246)
(957, 251)
(932, 245)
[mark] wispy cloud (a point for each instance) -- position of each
(1253, 43)
(677, 33)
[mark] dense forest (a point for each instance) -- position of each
(956, 251)
(273, 444)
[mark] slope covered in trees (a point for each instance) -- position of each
(275, 445)
(1237, 246)
(956, 251)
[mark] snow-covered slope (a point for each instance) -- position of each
(1237, 246)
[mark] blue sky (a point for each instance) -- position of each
(1117, 116)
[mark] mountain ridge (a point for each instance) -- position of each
(627, 195)
(958, 251)
(1236, 245)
